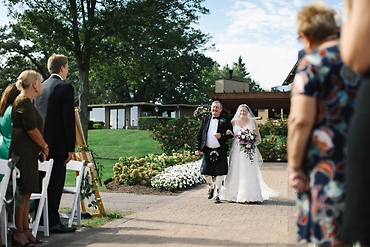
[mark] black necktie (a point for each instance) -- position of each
(216, 117)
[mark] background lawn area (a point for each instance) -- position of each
(108, 145)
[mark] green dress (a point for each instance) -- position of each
(25, 118)
(5, 133)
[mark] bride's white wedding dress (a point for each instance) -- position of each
(244, 182)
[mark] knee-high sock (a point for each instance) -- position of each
(209, 180)
(219, 180)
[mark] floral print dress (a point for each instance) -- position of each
(322, 75)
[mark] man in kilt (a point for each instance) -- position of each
(211, 139)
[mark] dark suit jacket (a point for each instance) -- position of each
(223, 125)
(56, 106)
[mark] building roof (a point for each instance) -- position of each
(255, 100)
(290, 78)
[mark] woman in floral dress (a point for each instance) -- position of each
(322, 104)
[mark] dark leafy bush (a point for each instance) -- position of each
(149, 123)
(274, 139)
(176, 134)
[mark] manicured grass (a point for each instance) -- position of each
(114, 143)
(97, 221)
(107, 145)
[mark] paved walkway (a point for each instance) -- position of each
(190, 219)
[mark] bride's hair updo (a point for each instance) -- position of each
(26, 78)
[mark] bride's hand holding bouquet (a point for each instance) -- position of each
(247, 141)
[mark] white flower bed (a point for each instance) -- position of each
(179, 177)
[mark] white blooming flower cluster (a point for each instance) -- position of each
(179, 177)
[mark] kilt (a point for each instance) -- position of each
(220, 167)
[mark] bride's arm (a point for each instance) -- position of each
(230, 132)
(253, 126)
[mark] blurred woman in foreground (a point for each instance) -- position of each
(322, 104)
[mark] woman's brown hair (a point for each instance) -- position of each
(10, 93)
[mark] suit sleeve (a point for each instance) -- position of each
(229, 126)
(198, 136)
(69, 117)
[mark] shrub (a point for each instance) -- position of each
(149, 123)
(133, 170)
(202, 111)
(176, 134)
(274, 140)
(97, 126)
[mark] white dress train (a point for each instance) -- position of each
(244, 182)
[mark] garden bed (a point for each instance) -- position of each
(139, 189)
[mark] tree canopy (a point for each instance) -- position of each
(143, 50)
(118, 50)
(239, 73)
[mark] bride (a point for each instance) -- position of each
(244, 183)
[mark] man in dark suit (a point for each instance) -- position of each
(211, 139)
(56, 105)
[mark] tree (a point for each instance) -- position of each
(135, 32)
(239, 73)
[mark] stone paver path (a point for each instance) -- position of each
(190, 219)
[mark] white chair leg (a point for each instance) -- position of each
(36, 222)
(4, 227)
(46, 219)
(78, 211)
(73, 211)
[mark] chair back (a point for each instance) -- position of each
(81, 168)
(46, 167)
(42, 208)
(5, 171)
(78, 166)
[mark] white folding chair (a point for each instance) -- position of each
(42, 208)
(82, 169)
(5, 172)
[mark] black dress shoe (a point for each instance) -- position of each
(210, 193)
(217, 199)
(59, 228)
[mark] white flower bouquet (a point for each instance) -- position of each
(247, 141)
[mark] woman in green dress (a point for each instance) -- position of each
(6, 102)
(26, 146)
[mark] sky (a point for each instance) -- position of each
(262, 32)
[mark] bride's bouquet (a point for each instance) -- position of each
(247, 142)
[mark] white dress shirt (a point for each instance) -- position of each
(212, 141)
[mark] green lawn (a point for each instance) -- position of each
(108, 145)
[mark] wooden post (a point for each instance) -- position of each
(85, 154)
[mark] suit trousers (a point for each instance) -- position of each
(55, 189)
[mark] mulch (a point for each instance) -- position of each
(139, 189)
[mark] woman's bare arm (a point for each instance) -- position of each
(301, 120)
